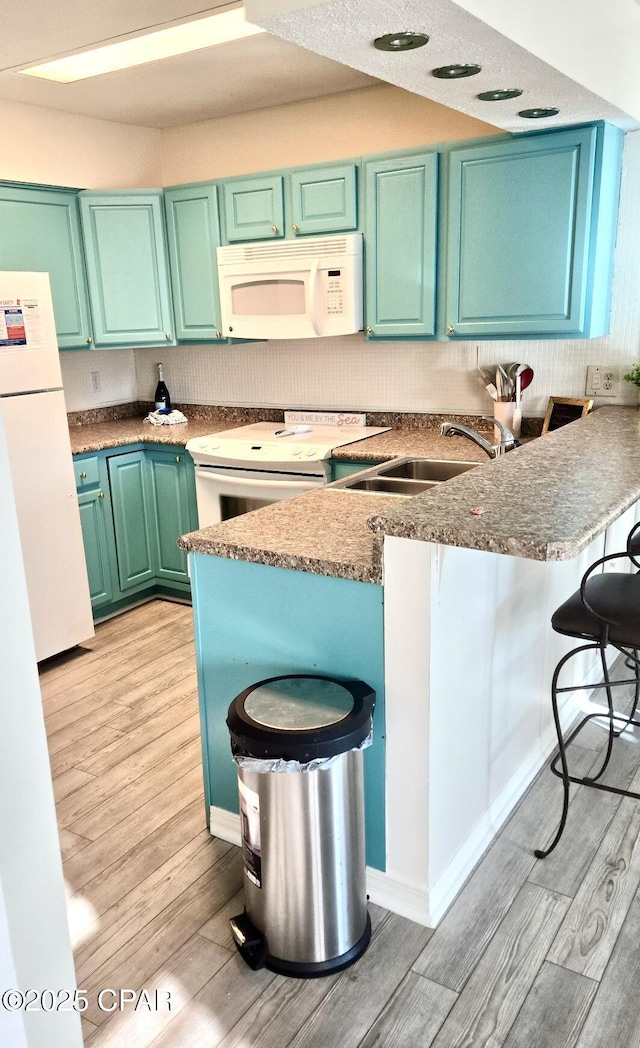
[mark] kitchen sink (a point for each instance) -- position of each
(428, 469)
(404, 477)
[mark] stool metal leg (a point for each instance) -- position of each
(607, 682)
(540, 853)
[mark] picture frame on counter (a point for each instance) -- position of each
(562, 410)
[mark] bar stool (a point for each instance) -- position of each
(605, 611)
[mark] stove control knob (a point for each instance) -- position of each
(311, 452)
(296, 451)
(202, 445)
(214, 445)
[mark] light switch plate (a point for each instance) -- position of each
(602, 381)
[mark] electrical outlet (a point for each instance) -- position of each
(95, 381)
(602, 381)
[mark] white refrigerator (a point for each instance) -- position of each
(35, 421)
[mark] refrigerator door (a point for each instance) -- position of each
(29, 357)
(49, 521)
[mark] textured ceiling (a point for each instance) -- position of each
(344, 30)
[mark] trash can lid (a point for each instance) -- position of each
(300, 717)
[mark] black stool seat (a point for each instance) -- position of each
(604, 612)
(615, 597)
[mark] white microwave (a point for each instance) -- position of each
(303, 288)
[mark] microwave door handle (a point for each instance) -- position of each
(312, 305)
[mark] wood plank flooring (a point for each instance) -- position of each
(532, 954)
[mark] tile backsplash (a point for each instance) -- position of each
(349, 373)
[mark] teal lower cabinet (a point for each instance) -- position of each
(341, 468)
(134, 504)
(173, 497)
(254, 621)
(97, 529)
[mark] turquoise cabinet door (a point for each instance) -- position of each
(174, 500)
(134, 520)
(400, 246)
(127, 268)
(254, 208)
(92, 485)
(193, 233)
(530, 235)
(97, 536)
(40, 232)
(323, 200)
(340, 469)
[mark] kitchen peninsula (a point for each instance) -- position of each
(460, 651)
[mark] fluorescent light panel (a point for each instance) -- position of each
(164, 43)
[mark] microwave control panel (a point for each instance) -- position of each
(334, 283)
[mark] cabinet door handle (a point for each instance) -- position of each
(450, 330)
(294, 228)
(89, 340)
(101, 494)
(218, 334)
(369, 331)
(83, 476)
(274, 229)
(167, 335)
(178, 458)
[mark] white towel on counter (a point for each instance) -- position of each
(170, 418)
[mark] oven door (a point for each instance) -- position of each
(223, 493)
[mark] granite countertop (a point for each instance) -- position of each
(115, 433)
(544, 501)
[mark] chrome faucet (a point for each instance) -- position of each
(506, 443)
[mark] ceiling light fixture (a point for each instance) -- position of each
(400, 41)
(163, 43)
(500, 95)
(454, 72)
(538, 114)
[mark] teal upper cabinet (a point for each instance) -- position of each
(401, 246)
(531, 232)
(299, 202)
(40, 232)
(193, 233)
(323, 200)
(127, 268)
(254, 208)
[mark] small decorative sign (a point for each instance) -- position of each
(562, 410)
(326, 418)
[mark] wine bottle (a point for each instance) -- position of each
(162, 398)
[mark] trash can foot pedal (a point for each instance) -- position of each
(250, 942)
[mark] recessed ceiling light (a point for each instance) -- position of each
(400, 41)
(453, 72)
(498, 96)
(538, 114)
(164, 43)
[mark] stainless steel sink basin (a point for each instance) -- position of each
(403, 477)
(428, 469)
(390, 485)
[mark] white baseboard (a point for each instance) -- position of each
(225, 825)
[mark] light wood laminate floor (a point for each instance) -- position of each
(532, 954)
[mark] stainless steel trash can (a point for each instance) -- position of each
(297, 741)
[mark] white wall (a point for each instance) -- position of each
(63, 149)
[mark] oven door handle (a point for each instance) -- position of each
(273, 480)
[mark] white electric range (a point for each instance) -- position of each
(244, 469)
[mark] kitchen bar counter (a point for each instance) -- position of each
(96, 436)
(545, 501)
